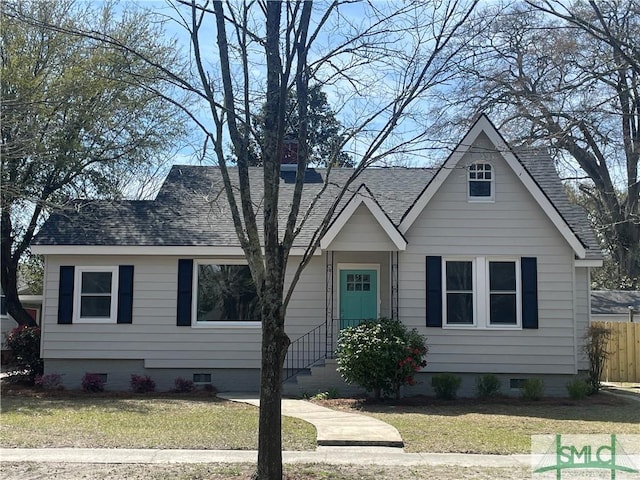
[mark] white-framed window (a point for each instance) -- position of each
(96, 294)
(224, 294)
(480, 182)
(481, 292)
(504, 293)
(458, 291)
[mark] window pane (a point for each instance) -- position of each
(366, 287)
(460, 308)
(226, 292)
(502, 276)
(459, 276)
(96, 282)
(503, 308)
(95, 307)
(479, 188)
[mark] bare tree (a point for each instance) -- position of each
(569, 77)
(378, 61)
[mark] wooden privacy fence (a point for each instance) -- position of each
(623, 364)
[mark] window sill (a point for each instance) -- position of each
(480, 200)
(94, 320)
(228, 324)
(483, 327)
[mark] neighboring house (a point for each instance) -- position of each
(31, 303)
(615, 306)
(484, 256)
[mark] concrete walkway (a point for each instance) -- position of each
(327, 455)
(334, 428)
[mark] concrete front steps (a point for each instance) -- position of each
(320, 378)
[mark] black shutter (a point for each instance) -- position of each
(125, 294)
(65, 295)
(434, 291)
(185, 287)
(528, 267)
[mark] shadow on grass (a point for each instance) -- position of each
(28, 399)
(595, 408)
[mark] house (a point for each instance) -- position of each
(484, 256)
(31, 302)
(615, 306)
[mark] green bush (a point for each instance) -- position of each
(24, 343)
(487, 386)
(578, 389)
(596, 348)
(330, 394)
(380, 356)
(446, 385)
(532, 389)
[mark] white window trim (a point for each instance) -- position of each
(194, 297)
(518, 273)
(492, 197)
(474, 292)
(481, 293)
(79, 270)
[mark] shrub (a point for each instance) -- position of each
(487, 386)
(24, 342)
(578, 389)
(380, 356)
(532, 389)
(51, 381)
(596, 340)
(446, 385)
(92, 383)
(142, 384)
(328, 395)
(182, 385)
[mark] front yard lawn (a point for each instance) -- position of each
(501, 426)
(142, 421)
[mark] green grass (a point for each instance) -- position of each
(139, 422)
(503, 427)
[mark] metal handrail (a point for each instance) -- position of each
(307, 350)
(313, 346)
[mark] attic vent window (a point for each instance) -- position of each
(480, 176)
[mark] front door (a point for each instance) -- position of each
(358, 296)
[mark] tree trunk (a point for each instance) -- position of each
(9, 276)
(275, 343)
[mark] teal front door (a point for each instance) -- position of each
(358, 296)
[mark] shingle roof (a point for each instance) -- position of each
(191, 208)
(614, 302)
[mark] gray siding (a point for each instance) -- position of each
(153, 336)
(583, 295)
(512, 226)
(362, 233)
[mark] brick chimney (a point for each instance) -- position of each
(289, 150)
